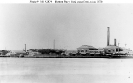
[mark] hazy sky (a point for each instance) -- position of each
(71, 25)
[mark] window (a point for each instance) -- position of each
(120, 49)
(117, 49)
(109, 50)
(82, 50)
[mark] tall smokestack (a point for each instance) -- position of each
(114, 42)
(108, 36)
(25, 47)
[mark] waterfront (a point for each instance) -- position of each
(65, 70)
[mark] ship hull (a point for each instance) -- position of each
(122, 56)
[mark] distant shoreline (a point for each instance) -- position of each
(61, 56)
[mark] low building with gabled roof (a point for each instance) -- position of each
(86, 47)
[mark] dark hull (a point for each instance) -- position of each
(66, 57)
(73, 56)
(122, 56)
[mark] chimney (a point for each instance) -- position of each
(108, 36)
(25, 47)
(114, 42)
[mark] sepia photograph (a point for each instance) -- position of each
(66, 43)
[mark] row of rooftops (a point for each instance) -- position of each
(87, 47)
(93, 48)
(79, 48)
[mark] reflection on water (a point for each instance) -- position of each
(65, 70)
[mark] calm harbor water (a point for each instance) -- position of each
(66, 70)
